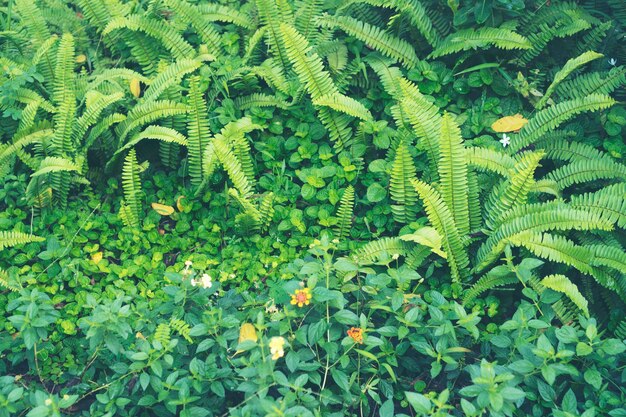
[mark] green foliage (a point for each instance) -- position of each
(301, 208)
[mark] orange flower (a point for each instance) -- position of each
(356, 333)
(301, 297)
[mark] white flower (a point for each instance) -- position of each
(612, 62)
(506, 140)
(188, 263)
(395, 256)
(206, 281)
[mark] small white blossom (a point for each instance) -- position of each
(612, 62)
(188, 263)
(506, 140)
(395, 256)
(206, 281)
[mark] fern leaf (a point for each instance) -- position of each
(499, 276)
(552, 117)
(55, 164)
(555, 248)
(489, 160)
(193, 15)
(562, 284)
(594, 82)
(131, 207)
(402, 191)
(233, 167)
(9, 238)
(64, 95)
(514, 192)
(197, 130)
(587, 170)
(145, 113)
(171, 76)
(344, 213)
(567, 69)
(381, 250)
(374, 38)
(163, 134)
(442, 220)
(307, 64)
(169, 37)
(467, 39)
(344, 104)
(453, 173)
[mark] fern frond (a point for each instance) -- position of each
(64, 95)
(260, 100)
(145, 113)
(55, 164)
(570, 66)
(197, 130)
(513, 192)
(266, 210)
(612, 205)
(182, 328)
(307, 64)
(169, 38)
(418, 15)
(594, 82)
(604, 255)
(269, 16)
(171, 76)
(402, 191)
(373, 37)
(131, 207)
(489, 160)
(343, 104)
(587, 170)
(233, 167)
(33, 21)
(9, 238)
(163, 134)
(213, 12)
(162, 335)
(4, 282)
(441, 218)
(552, 117)
(562, 284)
(344, 213)
(453, 173)
(193, 15)
(19, 143)
(496, 277)
(563, 150)
(92, 112)
(555, 248)
(380, 250)
(466, 39)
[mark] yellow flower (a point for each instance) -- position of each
(277, 347)
(301, 297)
(356, 334)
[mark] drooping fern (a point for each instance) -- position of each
(562, 284)
(9, 238)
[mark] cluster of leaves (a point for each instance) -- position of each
(137, 136)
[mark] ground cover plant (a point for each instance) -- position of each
(312, 208)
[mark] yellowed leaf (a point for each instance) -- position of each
(247, 332)
(162, 209)
(96, 257)
(81, 58)
(135, 87)
(179, 205)
(509, 123)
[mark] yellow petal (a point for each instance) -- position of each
(162, 209)
(81, 58)
(96, 257)
(135, 87)
(247, 332)
(509, 123)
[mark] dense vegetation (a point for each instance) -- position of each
(312, 208)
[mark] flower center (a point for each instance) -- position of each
(301, 297)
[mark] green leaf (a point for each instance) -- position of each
(376, 193)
